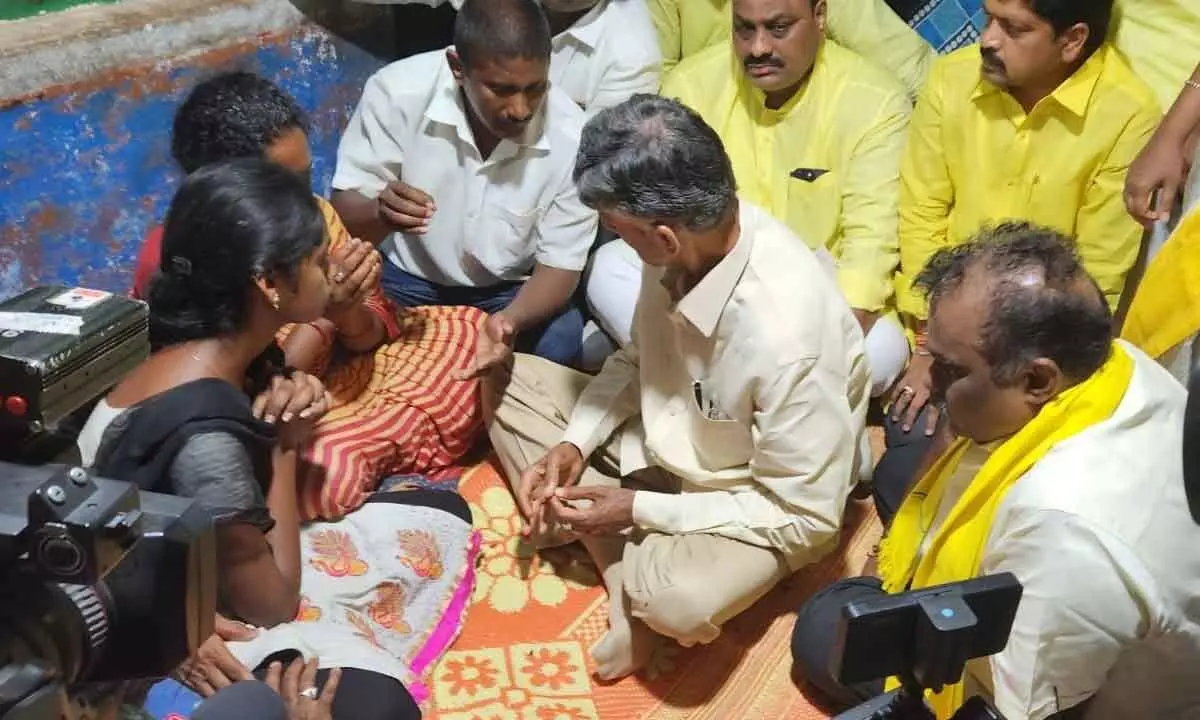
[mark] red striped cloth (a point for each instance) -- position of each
(398, 411)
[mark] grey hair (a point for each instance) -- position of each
(653, 158)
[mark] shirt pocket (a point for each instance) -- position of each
(720, 440)
(505, 244)
(814, 206)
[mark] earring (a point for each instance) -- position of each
(275, 300)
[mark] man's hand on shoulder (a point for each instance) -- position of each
(406, 208)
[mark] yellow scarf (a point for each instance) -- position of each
(956, 548)
(1166, 308)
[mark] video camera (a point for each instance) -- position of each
(925, 637)
(99, 583)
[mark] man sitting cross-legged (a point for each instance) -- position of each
(736, 411)
(1068, 474)
(458, 164)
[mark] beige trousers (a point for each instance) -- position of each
(681, 586)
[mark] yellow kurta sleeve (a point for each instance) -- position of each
(872, 29)
(665, 14)
(870, 245)
(926, 195)
(1159, 40)
(1109, 239)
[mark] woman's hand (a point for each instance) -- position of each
(213, 667)
(297, 687)
(295, 404)
(354, 272)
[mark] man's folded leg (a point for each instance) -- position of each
(687, 586)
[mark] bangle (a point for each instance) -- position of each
(1193, 84)
(326, 337)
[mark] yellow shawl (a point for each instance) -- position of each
(956, 548)
(1166, 308)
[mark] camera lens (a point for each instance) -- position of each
(59, 554)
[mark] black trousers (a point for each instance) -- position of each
(815, 634)
(361, 694)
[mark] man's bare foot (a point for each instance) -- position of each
(625, 648)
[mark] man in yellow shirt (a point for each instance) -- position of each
(815, 134)
(1043, 128)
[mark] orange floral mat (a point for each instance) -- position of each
(523, 654)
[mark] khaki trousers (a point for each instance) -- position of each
(681, 586)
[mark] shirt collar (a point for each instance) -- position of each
(1074, 94)
(588, 29)
(447, 108)
(704, 303)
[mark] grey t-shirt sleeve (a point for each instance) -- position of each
(215, 469)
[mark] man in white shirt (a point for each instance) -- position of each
(1097, 529)
(736, 411)
(458, 164)
(603, 51)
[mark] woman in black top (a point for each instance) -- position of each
(209, 416)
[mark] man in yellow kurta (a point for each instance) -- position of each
(1039, 122)
(815, 134)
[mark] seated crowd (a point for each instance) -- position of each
(668, 258)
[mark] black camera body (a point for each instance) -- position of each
(99, 582)
(925, 637)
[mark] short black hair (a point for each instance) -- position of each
(233, 115)
(501, 29)
(1063, 14)
(1064, 317)
(229, 223)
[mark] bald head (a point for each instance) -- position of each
(1030, 297)
(500, 30)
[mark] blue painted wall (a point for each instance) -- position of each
(86, 170)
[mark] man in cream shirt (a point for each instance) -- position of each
(1097, 529)
(737, 411)
(458, 163)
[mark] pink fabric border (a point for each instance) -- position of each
(448, 627)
